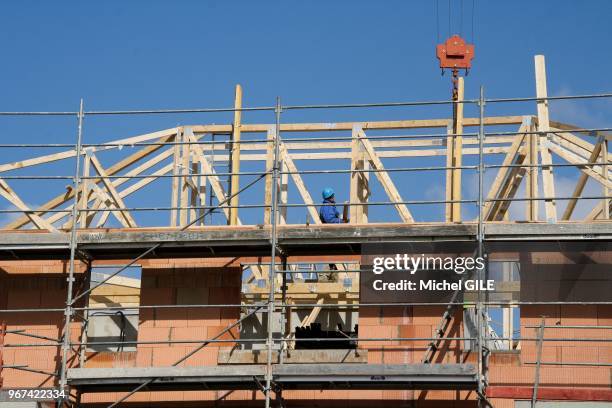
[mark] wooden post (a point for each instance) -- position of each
(268, 179)
(194, 192)
(360, 190)
(457, 154)
(201, 190)
(606, 176)
(284, 191)
(548, 183)
(531, 186)
(176, 159)
(84, 197)
(448, 191)
(184, 171)
(454, 158)
(235, 157)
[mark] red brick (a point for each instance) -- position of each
(605, 354)
(375, 355)
(207, 316)
(24, 299)
(370, 316)
(416, 331)
(214, 278)
(579, 354)
(146, 318)
(550, 354)
(157, 296)
(578, 315)
(532, 314)
(167, 356)
(224, 296)
(189, 333)
(503, 375)
(53, 298)
(213, 331)
(502, 403)
(171, 317)
(184, 278)
(396, 315)
(207, 395)
(378, 332)
(604, 315)
(232, 278)
(397, 356)
(153, 334)
(144, 357)
(207, 356)
(39, 357)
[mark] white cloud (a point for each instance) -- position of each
(586, 113)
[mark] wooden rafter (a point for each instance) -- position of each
(112, 191)
(215, 183)
(137, 186)
(592, 171)
(136, 171)
(598, 212)
(162, 136)
(571, 205)
(299, 183)
(385, 179)
(505, 177)
(11, 196)
(371, 125)
(109, 203)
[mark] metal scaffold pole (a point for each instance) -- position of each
(480, 313)
(73, 235)
(273, 244)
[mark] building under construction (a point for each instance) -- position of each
(189, 266)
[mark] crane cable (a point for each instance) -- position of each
(461, 19)
(473, 13)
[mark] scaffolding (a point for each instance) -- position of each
(73, 226)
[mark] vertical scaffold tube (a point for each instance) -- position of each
(73, 235)
(273, 243)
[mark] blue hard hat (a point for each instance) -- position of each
(327, 192)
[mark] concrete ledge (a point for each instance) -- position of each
(289, 376)
(229, 356)
(294, 239)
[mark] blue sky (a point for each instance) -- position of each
(154, 54)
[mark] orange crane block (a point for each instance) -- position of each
(455, 53)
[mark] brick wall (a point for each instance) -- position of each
(43, 284)
(30, 286)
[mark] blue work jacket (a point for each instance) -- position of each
(329, 214)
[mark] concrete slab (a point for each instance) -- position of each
(290, 376)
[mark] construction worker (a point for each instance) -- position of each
(328, 213)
